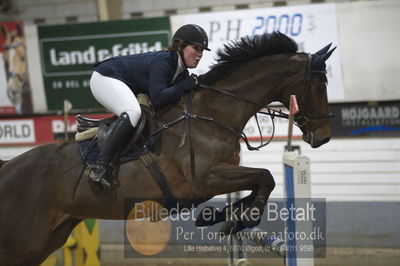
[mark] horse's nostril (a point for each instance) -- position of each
(325, 140)
(316, 144)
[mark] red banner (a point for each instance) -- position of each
(38, 129)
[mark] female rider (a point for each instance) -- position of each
(162, 75)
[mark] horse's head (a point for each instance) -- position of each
(314, 117)
(14, 57)
(257, 70)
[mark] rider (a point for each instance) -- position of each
(162, 75)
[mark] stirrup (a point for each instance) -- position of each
(98, 174)
(103, 182)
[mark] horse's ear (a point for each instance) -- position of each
(318, 60)
(324, 50)
(3, 31)
(19, 30)
(328, 54)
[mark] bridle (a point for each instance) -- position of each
(302, 118)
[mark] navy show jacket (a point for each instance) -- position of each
(150, 73)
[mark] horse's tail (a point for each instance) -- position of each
(2, 162)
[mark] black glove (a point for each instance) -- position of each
(201, 79)
(188, 84)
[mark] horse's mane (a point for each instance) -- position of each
(248, 48)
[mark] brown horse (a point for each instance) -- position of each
(16, 67)
(44, 193)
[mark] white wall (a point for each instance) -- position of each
(35, 69)
(341, 170)
(9, 152)
(369, 34)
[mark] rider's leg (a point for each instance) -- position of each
(117, 97)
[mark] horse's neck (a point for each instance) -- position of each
(261, 81)
(260, 87)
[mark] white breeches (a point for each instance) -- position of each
(116, 96)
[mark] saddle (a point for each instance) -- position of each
(98, 129)
(92, 133)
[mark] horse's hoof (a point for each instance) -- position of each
(242, 262)
(227, 228)
(231, 227)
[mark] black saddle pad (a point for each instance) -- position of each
(89, 151)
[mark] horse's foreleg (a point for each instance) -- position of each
(231, 178)
(220, 216)
(59, 236)
(56, 240)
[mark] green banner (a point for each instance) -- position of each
(68, 53)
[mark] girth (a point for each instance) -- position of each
(150, 161)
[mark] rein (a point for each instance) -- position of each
(271, 112)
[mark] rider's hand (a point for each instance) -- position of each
(201, 78)
(195, 77)
(188, 84)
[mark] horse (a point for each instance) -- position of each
(44, 193)
(16, 68)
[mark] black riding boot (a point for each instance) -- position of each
(120, 132)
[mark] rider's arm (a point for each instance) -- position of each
(159, 92)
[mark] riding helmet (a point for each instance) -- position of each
(193, 34)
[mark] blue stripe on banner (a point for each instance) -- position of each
(291, 224)
(374, 129)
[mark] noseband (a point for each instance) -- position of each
(12, 45)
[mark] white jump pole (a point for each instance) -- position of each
(297, 192)
(237, 255)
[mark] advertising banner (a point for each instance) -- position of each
(351, 120)
(311, 26)
(68, 53)
(366, 119)
(15, 94)
(37, 130)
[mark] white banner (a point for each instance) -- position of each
(311, 26)
(17, 131)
